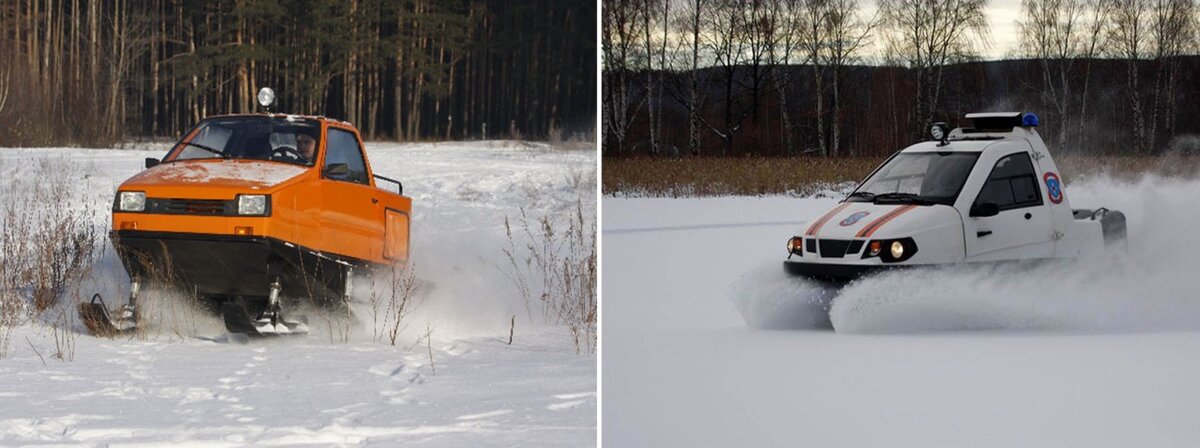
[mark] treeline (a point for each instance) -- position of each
(788, 77)
(96, 72)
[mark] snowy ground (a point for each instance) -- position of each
(198, 386)
(1103, 353)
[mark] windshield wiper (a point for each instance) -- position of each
(862, 194)
(209, 149)
(901, 198)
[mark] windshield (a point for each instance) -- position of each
(282, 139)
(922, 178)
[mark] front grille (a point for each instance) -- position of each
(833, 248)
(855, 247)
(212, 207)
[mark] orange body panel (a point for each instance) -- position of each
(331, 216)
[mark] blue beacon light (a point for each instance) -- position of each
(1029, 119)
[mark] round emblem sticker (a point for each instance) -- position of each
(1054, 188)
(850, 220)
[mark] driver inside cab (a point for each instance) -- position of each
(306, 145)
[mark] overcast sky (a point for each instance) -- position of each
(1002, 15)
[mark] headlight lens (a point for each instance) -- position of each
(252, 204)
(795, 245)
(131, 201)
(891, 251)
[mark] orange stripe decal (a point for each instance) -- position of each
(812, 230)
(876, 224)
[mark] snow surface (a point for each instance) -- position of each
(187, 382)
(1096, 353)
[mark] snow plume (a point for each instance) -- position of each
(1150, 287)
(768, 299)
(459, 292)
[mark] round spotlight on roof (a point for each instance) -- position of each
(1029, 119)
(939, 131)
(266, 97)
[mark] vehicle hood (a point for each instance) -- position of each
(862, 220)
(215, 174)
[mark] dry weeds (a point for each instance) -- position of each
(50, 237)
(555, 273)
(393, 301)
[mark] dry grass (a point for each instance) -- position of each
(804, 176)
(555, 273)
(393, 301)
(50, 238)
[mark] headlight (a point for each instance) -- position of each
(891, 251)
(795, 245)
(131, 201)
(252, 204)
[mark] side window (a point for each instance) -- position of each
(343, 148)
(1012, 184)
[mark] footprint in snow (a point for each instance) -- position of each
(458, 349)
(398, 372)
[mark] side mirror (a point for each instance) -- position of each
(337, 169)
(984, 210)
(152, 162)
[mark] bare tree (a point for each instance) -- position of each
(1128, 35)
(619, 40)
(1173, 25)
(655, 15)
(927, 35)
(725, 41)
(759, 24)
(684, 54)
(784, 46)
(5, 76)
(1053, 32)
(1096, 16)
(813, 36)
(847, 33)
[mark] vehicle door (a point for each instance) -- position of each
(350, 213)
(1019, 225)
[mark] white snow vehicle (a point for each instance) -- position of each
(986, 193)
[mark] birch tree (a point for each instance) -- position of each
(928, 35)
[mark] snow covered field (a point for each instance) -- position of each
(464, 387)
(1100, 353)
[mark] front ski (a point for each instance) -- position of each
(238, 321)
(99, 322)
(271, 322)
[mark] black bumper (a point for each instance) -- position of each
(836, 273)
(229, 266)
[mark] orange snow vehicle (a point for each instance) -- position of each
(246, 210)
